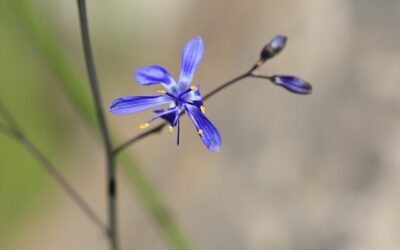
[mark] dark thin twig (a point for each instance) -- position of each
(261, 76)
(111, 169)
(227, 84)
(13, 130)
(63, 182)
(157, 129)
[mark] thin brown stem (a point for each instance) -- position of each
(111, 163)
(62, 181)
(260, 76)
(14, 131)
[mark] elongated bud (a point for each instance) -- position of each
(293, 84)
(276, 45)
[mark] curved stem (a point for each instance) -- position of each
(111, 168)
(227, 84)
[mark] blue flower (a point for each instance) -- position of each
(179, 96)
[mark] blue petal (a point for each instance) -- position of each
(171, 115)
(155, 75)
(293, 84)
(194, 97)
(134, 104)
(210, 135)
(191, 57)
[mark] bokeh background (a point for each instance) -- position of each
(295, 172)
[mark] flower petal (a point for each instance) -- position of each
(155, 75)
(191, 57)
(134, 104)
(293, 84)
(193, 95)
(171, 115)
(207, 131)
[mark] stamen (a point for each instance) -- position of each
(194, 88)
(144, 125)
(171, 130)
(163, 92)
(201, 132)
(203, 109)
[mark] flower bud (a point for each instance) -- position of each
(275, 46)
(293, 84)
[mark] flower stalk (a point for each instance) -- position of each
(110, 157)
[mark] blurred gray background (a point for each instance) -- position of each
(318, 172)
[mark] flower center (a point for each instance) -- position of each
(178, 98)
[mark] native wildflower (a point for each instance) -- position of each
(180, 96)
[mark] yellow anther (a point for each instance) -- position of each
(171, 130)
(144, 125)
(194, 88)
(201, 132)
(203, 109)
(163, 92)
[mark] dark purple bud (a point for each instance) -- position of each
(275, 46)
(293, 84)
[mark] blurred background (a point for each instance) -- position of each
(295, 172)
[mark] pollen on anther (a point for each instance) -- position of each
(163, 92)
(194, 88)
(201, 132)
(203, 109)
(144, 125)
(171, 130)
